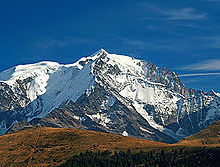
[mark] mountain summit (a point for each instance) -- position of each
(105, 92)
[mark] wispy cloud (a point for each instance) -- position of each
(209, 65)
(197, 74)
(187, 13)
(214, 42)
(158, 44)
(212, 0)
(145, 45)
(50, 43)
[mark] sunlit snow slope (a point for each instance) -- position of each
(106, 92)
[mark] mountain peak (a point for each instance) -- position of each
(103, 51)
(106, 91)
(98, 53)
(215, 93)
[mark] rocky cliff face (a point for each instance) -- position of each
(105, 92)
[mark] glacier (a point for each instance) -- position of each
(136, 96)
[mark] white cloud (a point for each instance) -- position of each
(146, 45)
(50, 43)
(198, 74)
(209, 65)
(215, 42)
(212, 0)
(187, 13)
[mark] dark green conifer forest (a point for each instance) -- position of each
(196, 157)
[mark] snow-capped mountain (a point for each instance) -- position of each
(105, 92)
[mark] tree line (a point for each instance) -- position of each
(163, 158)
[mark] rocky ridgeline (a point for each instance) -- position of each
(14, 97)
(167, 77)
(109, 93)
(194, 100)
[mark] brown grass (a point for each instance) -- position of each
(210, 136)
(53, 146)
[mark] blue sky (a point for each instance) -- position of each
(182, 35)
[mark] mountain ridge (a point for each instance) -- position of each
(107, 92)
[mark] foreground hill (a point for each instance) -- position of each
(54, 146)
(209, 136)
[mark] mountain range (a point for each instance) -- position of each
(107, 93)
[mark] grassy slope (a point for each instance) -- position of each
(44, 146)
(210, 136)
(53, 146)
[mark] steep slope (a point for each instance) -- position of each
(109, 93)
(32, 91)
